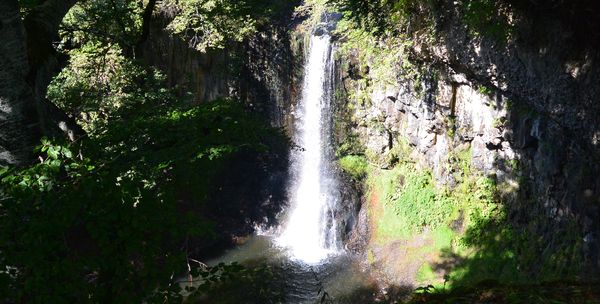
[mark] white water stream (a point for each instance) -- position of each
(310, 231)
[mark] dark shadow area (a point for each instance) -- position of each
(494, 292)
(250, 191)
(123, 221)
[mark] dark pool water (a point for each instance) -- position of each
(337, 279)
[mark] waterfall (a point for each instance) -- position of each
(310, 231)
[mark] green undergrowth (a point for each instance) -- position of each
(482, 18)
(375, 61)
(483, 238)
(410, 202)
(476, 227)
(114, 214)
(215, 24)
(456, 226)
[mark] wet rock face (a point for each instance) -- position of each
(553, 84)
(528, 113)
(327, 24)
(352, 215)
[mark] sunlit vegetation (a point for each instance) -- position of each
(100, 85)
(464, 228)
(384, 18)
(464, 233)
(484, 239)
(389, 52)
(215, 23)
(410, 203)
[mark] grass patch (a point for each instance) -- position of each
(390, 226)
(425, 273)
(410, 203)
(442, 238)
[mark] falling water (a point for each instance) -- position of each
(308, 255)
(310, 230)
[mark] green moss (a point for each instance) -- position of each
(376, 60)
(498, 122)
(514, 165)
(465, 226)
(451, 126)
(459, 165)
(354, 165)
(351, 145)
(400, 151)
(370, 257)
(410, 203)
(418, 202)
(389, 226)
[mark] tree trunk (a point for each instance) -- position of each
(27, 65)
(146, 20)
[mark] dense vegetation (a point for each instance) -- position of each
(117, 215)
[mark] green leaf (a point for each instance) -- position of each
(67, 153)
(52, 152)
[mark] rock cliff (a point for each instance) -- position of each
(526, 112)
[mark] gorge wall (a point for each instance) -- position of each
(511, 124)
(261, 71)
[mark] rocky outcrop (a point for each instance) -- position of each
(549, 91)
(261, 71)
(527, 111)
